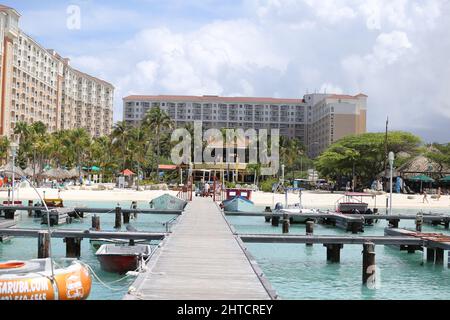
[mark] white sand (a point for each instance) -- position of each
(309, 199)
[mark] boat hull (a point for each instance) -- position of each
(119, 264)
(122, 258)
(238, 204)
(167, 202)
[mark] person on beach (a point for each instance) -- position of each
(206, 189)
(425, 197)
(438, 194)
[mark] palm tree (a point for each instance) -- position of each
(155, 122)
(120, 137)
(4, 147)
(78, 141)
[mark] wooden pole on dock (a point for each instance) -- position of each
(126, 217)
(439, 256)
(285, 223)
(393, 223)
(368, 261)
(267, 218)
(334, 252)
(43, 244)
(30, 211)
(118, 221)
(96, 222)
(73, 247)
(419, 222)
(275, 221)
(309, 230)
(430, 254)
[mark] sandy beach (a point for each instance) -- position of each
(310, 199)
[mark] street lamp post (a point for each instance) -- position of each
(282, 174)
(391, 165)
(14, 146)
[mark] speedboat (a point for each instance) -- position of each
(32, 280)
(238, 204)
(97, 243)
(167, 202)
(349, 203)
(122, 258)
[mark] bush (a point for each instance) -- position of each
(266, 185)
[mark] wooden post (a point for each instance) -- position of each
(285, 223)
(126, 217)
(430, 254)
(368, 261)
(118, 222)
(309, 230)
(30, 211)
(275, 221)
(393, 223)
(73, 247)
(334, 252)
(446, 224)
(267, 218)
(43, 244)
(439, 256)
(96, 222)
(419, 222)
(355, 227)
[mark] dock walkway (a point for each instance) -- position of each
(201, 259)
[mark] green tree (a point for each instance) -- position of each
(364, 154)
(440, 154)
(155, 123)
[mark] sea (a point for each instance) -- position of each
(295, 271)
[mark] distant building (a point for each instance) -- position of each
(317, 120)
(37, 84)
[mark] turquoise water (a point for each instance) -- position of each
(294, 270)
(26, 248)
(300, 272)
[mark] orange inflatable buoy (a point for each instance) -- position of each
(11, 265)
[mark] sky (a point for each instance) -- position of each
(395, 51)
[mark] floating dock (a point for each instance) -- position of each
(201, 259)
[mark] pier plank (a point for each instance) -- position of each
(201, 259)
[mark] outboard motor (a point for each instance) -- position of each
(278, 206)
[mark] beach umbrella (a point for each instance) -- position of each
(6, 170)
(56, 173)
(421, 178)
(127, 172)
(29, 171)
(445, 179)
(95, 168)
(73, 173)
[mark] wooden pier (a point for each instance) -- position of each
(201, 259)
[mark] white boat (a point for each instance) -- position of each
(296, 210)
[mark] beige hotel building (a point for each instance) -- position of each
(316, 119)
(37, 84)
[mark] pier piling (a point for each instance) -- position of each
(309, 230)
(285, 223)
(419, 222)
(275, 221)
(73, 247)
(118, 221)
(368, 261)
(393, 223)
(267, 218)
(430, 254)
(43, 244)
(96, 222)
(439, 256)
(30, 211)
(334, 252)
(126, 217)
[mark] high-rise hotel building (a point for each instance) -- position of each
(317, 119)
(37, 84)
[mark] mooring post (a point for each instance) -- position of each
(134, 207)
(430, 254)
(419, 222)
(309, 230)
(355, 226)
(43, 244)
(126, 217)
(275, 221)
(446, 224)
(30, 211)
(267, 218)
(96, 222)
(334, 252)
(285, 223)
(73, 247)
(393, 223)
(118, 222)
(439, 256)
(368, 261)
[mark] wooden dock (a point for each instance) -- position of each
(201, 259)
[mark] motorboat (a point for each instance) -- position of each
(167, 202)
(32, 280)
(352, 202)
(122, 258)
(238, 200)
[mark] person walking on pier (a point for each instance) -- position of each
(425, 198)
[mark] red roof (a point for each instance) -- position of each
(217, 99)
(127, 172)
(167, 167)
